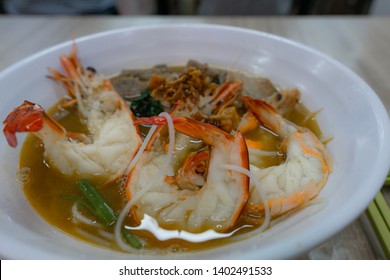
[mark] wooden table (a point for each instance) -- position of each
(361, 43)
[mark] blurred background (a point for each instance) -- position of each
(196, 7)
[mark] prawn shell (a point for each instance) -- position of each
(302, 175)
(238, 154)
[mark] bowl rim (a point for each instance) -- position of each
(381, 112)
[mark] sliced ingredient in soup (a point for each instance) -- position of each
(201, 154)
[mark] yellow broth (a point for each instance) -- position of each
(52, 194)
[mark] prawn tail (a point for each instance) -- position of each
(225, 95)
(28, 117)
(265, 114)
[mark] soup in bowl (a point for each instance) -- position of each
(155, 156)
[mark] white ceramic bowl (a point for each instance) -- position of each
(352, 113)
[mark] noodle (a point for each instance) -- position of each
(81, 218)
(90, 236)
(163, 170)
(267, 217)
(142, 148)
(106, 234)
(179, 166)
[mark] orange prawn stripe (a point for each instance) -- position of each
(308, 151)
(199, 208)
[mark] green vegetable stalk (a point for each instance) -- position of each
(131, 239)
(96, 204)
(100, 208)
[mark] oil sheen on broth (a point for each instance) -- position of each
(53, 194)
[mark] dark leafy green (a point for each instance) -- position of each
(145, 105)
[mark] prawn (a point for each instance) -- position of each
(112, 141)
(216, 204)
(300, 177)
(193, 171)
